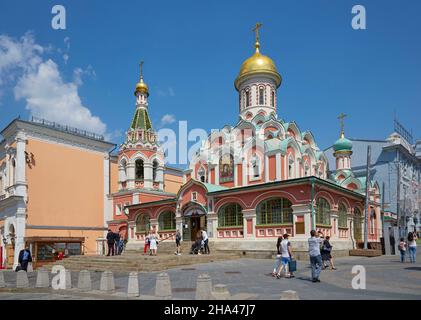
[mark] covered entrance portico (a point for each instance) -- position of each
(194, 219)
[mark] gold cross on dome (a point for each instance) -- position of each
(256, 30)
(141, 65)
(341, 118)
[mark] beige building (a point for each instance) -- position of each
(54, 187)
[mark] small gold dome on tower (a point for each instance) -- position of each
(141, 86)
(258, 63)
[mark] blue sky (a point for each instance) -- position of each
(193, 51)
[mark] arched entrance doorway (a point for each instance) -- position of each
(194, 219)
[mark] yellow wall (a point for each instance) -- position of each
(172, 183)
(65, 188)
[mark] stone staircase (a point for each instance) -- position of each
(135, 260)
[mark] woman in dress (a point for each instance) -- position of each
(327, 254)
(153, 243)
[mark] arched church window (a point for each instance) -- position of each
(226, 168)
(306, 169)
(123, 164)
(201, 175)
(248, 99)
(358, 224)
(154, 169)
(322, 212)
(342, 216)
(255, 166)
(166, 220)
(230, 215)
(291, 166)
(272, 99)
(139, 169)
(261, 96)
(143, 223)
(274, 211)
(372, 221)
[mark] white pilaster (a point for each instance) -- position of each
(247, 215)
(278, 166)
(20, 175)
(148, 175)
(20, 232)
(266, 168)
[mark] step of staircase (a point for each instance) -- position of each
(134, 261)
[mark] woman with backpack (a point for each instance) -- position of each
(402, 249)
(286, 257)
(326, 252)
(412, 247)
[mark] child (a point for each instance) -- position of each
(402, 249)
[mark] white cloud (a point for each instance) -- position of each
(38, 81)
(167, 119)
(23, 55)
(65, 58)
(48, 96)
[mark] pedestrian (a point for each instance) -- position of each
(315, 256)
(278, 259)
(110, 242)
(205, 242)
(199, 242)
(116, 243)
(153, 243)
(286, 256)
(412, 247)
(326, 253)
(25, 258)
(177, 242)
(121, 245)
(402, 249)
(147, 244)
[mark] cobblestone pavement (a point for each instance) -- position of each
(387, 278)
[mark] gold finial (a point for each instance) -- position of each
(256, 31)
(341, 118)
(141, 72)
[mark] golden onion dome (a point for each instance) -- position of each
(142, 87)
(258, 64)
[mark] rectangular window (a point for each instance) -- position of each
(247, 98)
(261, 96)
(194, 196)
(118, 209)
(272, 99)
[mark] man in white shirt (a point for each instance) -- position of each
(205, 242)
(315, 257)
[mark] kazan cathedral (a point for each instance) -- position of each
(248, 183)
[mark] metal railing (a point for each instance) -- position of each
(66, 128)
